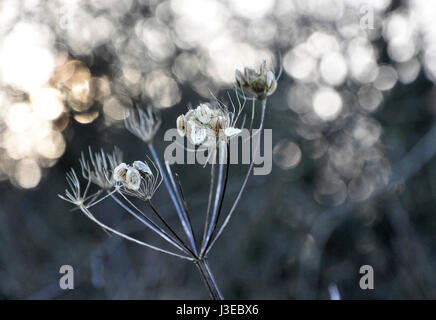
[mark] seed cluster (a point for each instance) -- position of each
(131, 176)
(258, 84)
(206, 124)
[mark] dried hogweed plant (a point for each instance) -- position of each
(211, 125)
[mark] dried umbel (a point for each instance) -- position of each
(99, 168)
(143, 123)
(206, 125)
(258, 84)
(211, 125)
(137, 179)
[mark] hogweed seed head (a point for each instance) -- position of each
(258, 84)
(142, 168)
(138, 179)
(120, 171)
(206, 125)
(133, 179)
(203, 113)
(143, 123)
(195, 132)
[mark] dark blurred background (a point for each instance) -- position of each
(353, 180)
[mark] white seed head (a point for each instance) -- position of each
(250, 74)
(195, 133)
(203, 113)
(189, 115)
(258, 84)
(133, 179)
(120, 171)
(181, 125)
(143, 168)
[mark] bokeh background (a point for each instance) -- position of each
(353, 180)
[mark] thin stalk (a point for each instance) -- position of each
(244, 184)
(150, 224)
(215, 223)
(219, 188)
(122, 235)
(184, 211)
(161, 218)
(209, 280)
(252, 114)
(185, 204)
(209, 203)
(182, 218)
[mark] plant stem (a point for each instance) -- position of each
(241, 191)
(183, 219)
(215, 221)
(209, 281)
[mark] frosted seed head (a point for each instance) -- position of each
(250, 75)
(203, 113)
(189, 115)
(133, 179)
(195, 133)
(120, 171)
(258, 84)
(143, 168)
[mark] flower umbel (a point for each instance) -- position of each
(206, 125)
(258, 84)
(138, 179)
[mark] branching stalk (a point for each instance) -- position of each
(244, 184)
(209, 280)
(182, 218)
